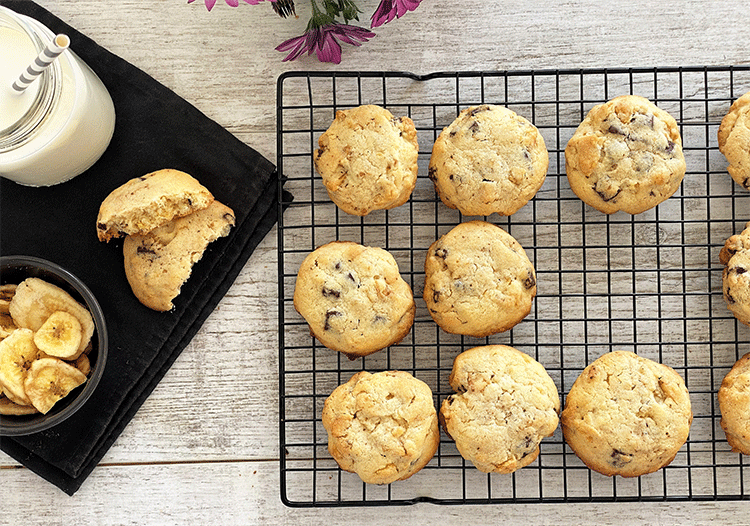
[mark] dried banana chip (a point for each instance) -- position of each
(17, 353)
(83, 364)
(35, 300)
(50, 380)
(6, 294)
(7, 325)
(7, 407)
(60, 335)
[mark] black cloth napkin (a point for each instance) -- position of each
(154, 129)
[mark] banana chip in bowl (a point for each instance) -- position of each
(53, 344)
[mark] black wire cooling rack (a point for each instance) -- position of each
(649, 283)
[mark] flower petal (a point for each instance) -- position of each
(314, 38)
(383, 14)
(297, 46)
(329, 50)
(352, 34)
(390, 9)
(292, 42)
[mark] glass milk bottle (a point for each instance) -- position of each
(62, 122)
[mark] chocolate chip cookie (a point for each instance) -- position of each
(627, 415)
(735, 256)
(626, 156)
(734, 140)
(478, 280)
(489, 159)
(368, 159)
(734, 401)
(382, 426)
(353, 298)
(505, 404)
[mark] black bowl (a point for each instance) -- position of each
(15, 269)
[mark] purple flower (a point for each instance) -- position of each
(329, 25)
(323, 41)
(234, 3)
(390, 9)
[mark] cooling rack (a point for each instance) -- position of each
(649, 283)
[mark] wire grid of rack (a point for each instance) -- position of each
(649, 283)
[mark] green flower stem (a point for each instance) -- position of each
(346, 9)
(318, 18)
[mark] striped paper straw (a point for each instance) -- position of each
(45, 58)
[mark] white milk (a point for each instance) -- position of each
(18, 52)
(74, 130)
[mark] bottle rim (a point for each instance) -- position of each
(49, 81)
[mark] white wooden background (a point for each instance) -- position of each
(203, 448)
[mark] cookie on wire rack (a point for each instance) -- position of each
(627, 415)
(734, 140)
(734, 401)
(488, 160)
(626, 156)
(478, 280)
(382, 426)
(505, 404)
(354, 298)
(367, 159)
(735, 256)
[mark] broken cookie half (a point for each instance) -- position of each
(169, 219)
(149, 201)
(159, 262)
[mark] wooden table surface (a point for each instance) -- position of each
(204, 447)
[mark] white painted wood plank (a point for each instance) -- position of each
(244, 493)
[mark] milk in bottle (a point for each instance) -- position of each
(62, 123)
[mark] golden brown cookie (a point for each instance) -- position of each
(489, 159)
(149, 201)
(382, 426)
(478, 280)
(627, 415)
(735, 256)
(734, 140)
(354, 298)
(506, 403)
(159, 262)
(368, 159)
(625, 155)
(734, 403)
